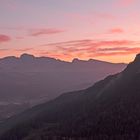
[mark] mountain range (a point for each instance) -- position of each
(108, 110)
(36, 79)
(28, 80)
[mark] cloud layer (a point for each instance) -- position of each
(92, 48)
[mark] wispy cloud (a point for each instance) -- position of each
(92, 48)
(116, 31)
(91, 43)
(44, 31)
(119, 49)
(35, 32)
(4, 38)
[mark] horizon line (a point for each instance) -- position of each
(76, 58)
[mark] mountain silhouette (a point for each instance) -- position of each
(108, 110)
(38, 79)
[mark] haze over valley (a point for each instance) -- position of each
(69, 70)
(30, 80)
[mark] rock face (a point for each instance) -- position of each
(108, 110)
(134, 67)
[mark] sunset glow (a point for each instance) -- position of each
(66, 29)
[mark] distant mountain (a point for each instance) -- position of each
(108, 110)
(37, 79)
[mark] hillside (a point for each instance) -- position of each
(107, 110)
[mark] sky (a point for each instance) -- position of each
(107, 30)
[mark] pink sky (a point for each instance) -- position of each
(106, 29)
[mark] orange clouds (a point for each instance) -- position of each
(118, 51)
(84, 44)
(91, 48)
(4, 38)
(116, 31)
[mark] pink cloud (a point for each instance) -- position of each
(43, 31)
(92, 48)
(99, 54)
(91, 43)
(116, 31)
(116, 49)
(34, 31)
(115, 43)
(4, 38)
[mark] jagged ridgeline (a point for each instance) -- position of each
(38, 79)
(109, 110)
